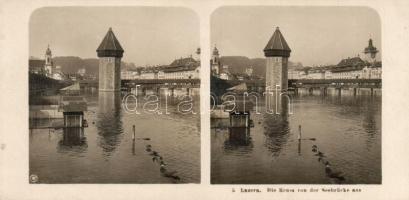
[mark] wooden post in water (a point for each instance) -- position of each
(133, 132)
(299, 139)
(299, 132)
(133, 147)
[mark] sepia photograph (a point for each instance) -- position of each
(296, 95)
(226, 99)
(114, 95)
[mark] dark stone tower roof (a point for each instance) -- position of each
(277, 46)
(110, 46)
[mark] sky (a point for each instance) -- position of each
(316, 35)
(149, 35)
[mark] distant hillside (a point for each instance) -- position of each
(71, 64)
(238, 64)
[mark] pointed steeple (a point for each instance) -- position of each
(110, 46)
(277, 46)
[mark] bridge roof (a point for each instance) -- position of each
(240, 87)
(72, 104)
(75, 86)
(277, 46)
(110, 44)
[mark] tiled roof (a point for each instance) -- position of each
(277, 46)
(355, 61)
(183, 62)
(349, 64)
(110, 46)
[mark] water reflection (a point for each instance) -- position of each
(220, 123)
(109, 122)
(370, 124)
(276, 129)
(299, 147)
(347, 130)
(108, 154)
(73, 140)
(238, 139)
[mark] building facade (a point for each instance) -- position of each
(183, 68)
(350, 68)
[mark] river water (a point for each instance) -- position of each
(104, 152)
(347, 130)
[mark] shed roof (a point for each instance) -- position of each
(72, 104)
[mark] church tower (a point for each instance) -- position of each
(110, 53)
(198, 54)
(48, 64)
(215, 62)
(370, 52)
